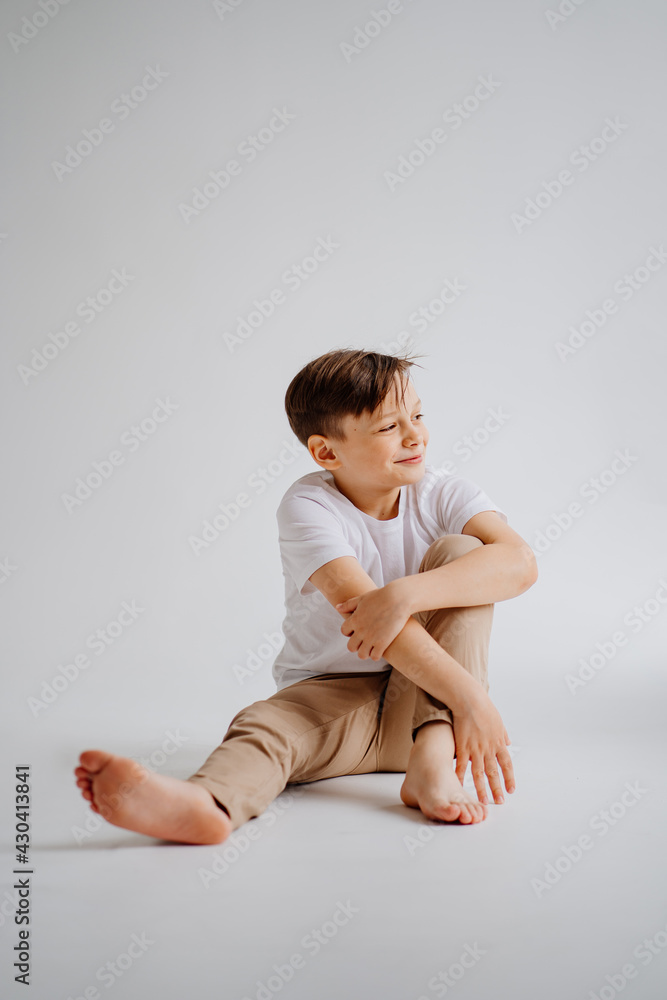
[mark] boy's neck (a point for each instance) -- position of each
(381, 507)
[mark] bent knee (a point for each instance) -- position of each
(449, 547)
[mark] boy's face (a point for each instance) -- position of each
(373, 455)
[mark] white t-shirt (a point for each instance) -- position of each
(317, 523)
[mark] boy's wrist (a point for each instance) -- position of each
(436, 670)
(404, 595)
(463, 690)
(465, 696)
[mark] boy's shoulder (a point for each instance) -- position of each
(314, 485)
(435, 477)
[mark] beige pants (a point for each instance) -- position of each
(342, 723)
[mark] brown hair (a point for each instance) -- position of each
(338, 384)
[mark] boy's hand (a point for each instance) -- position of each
(374, 619)
(481, 738)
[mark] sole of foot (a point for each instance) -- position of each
(128, 795)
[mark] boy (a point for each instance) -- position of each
(387, 561)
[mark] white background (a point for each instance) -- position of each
(331, 174)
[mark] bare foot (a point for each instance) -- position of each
(431, 783)
(129, 795)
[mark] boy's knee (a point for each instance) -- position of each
(446, 548)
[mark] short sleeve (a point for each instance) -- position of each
(310, 535)
(455, 500)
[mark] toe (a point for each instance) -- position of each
(449, 812)
(465, 816)
(94, 760)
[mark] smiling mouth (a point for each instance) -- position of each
(414, 458)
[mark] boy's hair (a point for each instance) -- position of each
(338, 384)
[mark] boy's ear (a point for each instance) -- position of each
(322, 452)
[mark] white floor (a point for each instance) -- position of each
(404, 909)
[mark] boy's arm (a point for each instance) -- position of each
(503, 568)
(419, 657)
(414, 652)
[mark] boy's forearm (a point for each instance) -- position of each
(485, 575)
(416, 654)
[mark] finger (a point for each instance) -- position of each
(478, 778)
(505, 762)
(495, 784)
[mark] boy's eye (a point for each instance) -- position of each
(419, 415)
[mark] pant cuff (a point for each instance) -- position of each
(222, 795)
(437, 714)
